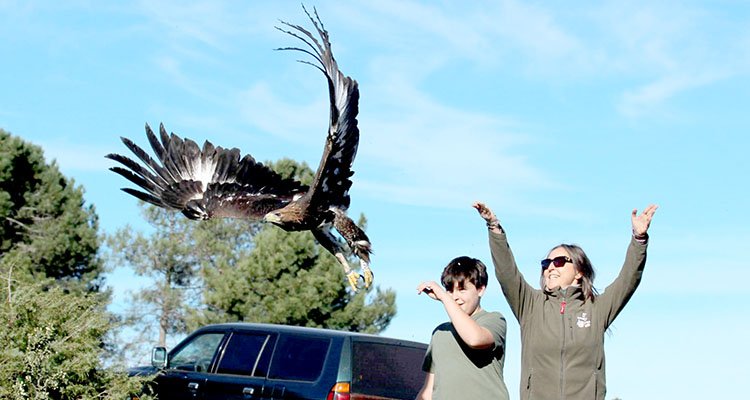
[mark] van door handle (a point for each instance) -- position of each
(278, 392)
(248, 391)
(193, 386)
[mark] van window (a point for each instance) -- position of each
(197, 354)
(241, 354)
(384, 370)
(299, 358)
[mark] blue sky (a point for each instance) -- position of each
(562, 116)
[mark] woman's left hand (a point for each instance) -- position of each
(641, 222)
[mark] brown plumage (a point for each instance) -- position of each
(214, 182)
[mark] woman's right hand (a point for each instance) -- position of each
(484, 212)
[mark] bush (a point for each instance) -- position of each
(51, 343)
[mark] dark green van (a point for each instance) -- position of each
(265, 361)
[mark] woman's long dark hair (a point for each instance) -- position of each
(583, 265)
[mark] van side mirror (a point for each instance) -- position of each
(159, 357)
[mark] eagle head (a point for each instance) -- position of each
(273, 217)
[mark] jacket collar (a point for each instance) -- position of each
(569, 293)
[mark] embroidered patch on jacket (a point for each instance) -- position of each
(583, 321)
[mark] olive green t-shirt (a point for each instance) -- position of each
(465, 373)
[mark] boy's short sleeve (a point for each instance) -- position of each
(427, 365)
(495, 323)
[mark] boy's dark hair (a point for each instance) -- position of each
(462, 269)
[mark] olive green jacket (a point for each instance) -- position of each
(562, 337)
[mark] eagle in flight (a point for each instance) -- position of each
(214, 182)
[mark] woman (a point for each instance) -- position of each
(563, 324)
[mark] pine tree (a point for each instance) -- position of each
(54, 319)
(46, 230)
(172, 256)
(167, 257)
(287, 279)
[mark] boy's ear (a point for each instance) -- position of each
(481, 290)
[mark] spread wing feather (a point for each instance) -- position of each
(330, 187)
(203, 183)
(143, 196)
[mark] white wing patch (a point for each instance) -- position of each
(205, 172)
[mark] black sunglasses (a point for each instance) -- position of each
(558, 261)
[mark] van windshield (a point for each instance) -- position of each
(197, 354)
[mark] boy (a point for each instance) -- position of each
(466, 355)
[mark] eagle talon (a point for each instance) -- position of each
(367, 277)
(353, 278)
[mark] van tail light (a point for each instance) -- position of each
(339, 391)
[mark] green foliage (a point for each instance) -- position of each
(172, 255)
(166, 256)
(287, 279)
(52, 345)
(289, 168)
(45, 228)
(53, 320)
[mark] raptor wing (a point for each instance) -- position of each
(330, 187)
(203, 183)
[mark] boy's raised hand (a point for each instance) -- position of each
(432, 289)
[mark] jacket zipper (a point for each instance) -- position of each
(562, 350)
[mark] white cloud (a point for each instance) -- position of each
(534, 30)
(681, 262)
(648, 98)
(73, 156)
(428, 153)
(305, 123)
(488, 34)
(207, 22)
(423, 152)
(667, 50)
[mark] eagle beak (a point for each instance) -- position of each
(272, 218)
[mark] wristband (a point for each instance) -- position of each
(494, 223)
(641, 238)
